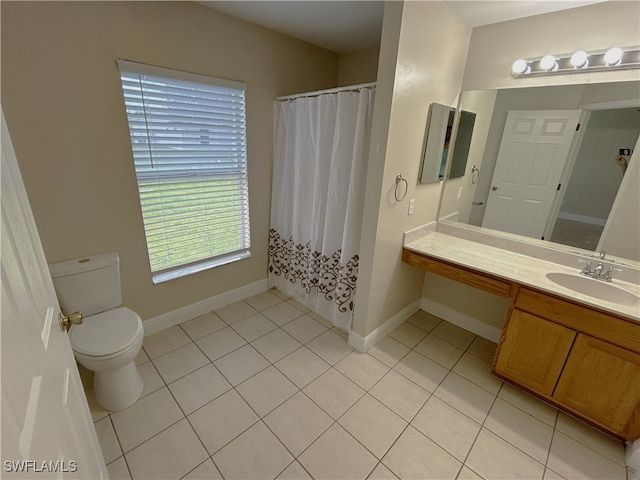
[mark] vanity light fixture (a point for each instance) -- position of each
(614, 58)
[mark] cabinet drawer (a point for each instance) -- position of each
(619, 331)
(480, 281)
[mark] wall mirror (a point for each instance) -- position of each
(540, 178)
(436, 143)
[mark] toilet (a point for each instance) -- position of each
(110, 336)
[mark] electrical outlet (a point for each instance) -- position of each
(412, 204)
(625, 151)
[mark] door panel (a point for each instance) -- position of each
(531, 159)
(47, 430)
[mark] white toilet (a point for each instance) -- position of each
(110, 336)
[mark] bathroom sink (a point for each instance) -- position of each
(594, 288)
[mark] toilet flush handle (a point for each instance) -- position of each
(65, 322)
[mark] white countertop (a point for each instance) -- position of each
(524, 269)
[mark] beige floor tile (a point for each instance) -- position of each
(141, 358)
(241, 364)
(180, 362)
(483, 349)
(493, 457)
(448, 332)
(344, 334)
(298, 305)
(97, 411)
(218, 344)
(415, 456)
(381, 473)
(304, 329)
(298, 422)
(266, 390)
(256, 453)
(276, 345)
(400, 394)
(337, 455)
(517, 427)
(408, 334)
(467, 474)
(422, 371)
(282, 313)
(373, 425)
(199, 388)
(151, 378)
(118, 470)
(449, 428)
(363, 369)
(165, 341)
(145, 418)
(222, 420)
(302, 366)
(319, 318)
(235, 312)
(424, 320)
(389, 351)
(529, 404)
(295, 471)
(573, 460)
(203, 325)
(254, 327)
(551, 475)
(108, 441)
(279, 294)
(205, 471)
(330, 346)
(592, 438)
(479, 372)
(465, 396)
(334, 393)
(264, 300)
(444, 353)
(170, 454)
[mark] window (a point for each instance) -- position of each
(188, 138)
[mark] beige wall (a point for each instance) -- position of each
(358, 67)
(595, 27)
(422, 57)
(63, 103)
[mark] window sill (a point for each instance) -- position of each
(183, 271)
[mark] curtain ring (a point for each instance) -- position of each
(399, 179)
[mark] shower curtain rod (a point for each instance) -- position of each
(330, 90)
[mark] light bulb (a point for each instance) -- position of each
(613, 56)
(519, 67)
(548, 63)
(580, 59)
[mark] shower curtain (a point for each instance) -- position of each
(320, 164)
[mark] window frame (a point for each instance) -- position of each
(235, 169)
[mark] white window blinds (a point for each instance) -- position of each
(188, 137)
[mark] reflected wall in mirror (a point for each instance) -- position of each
(541, 178)
(436, 143)
(462, 144)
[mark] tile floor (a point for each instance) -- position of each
(265, 389)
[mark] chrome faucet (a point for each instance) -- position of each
(597, 273)
(598, 270)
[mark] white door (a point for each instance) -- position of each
(47, 430)
(533, 152)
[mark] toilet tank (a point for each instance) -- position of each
(88, 284)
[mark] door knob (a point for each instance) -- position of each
(66, 322)
(494, 188)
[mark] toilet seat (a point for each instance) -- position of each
(107, 333)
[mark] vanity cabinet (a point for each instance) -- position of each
(582, 360)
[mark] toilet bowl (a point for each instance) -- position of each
(110, 335)
(107, 344)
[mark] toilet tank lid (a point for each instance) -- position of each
(83, 264)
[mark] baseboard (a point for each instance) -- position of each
(461, 320)
(362, 344)
(582, 218)
(182, 314)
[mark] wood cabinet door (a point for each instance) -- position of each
(602, 382)
(533, 351)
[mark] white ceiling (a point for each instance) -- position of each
(345, 26)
